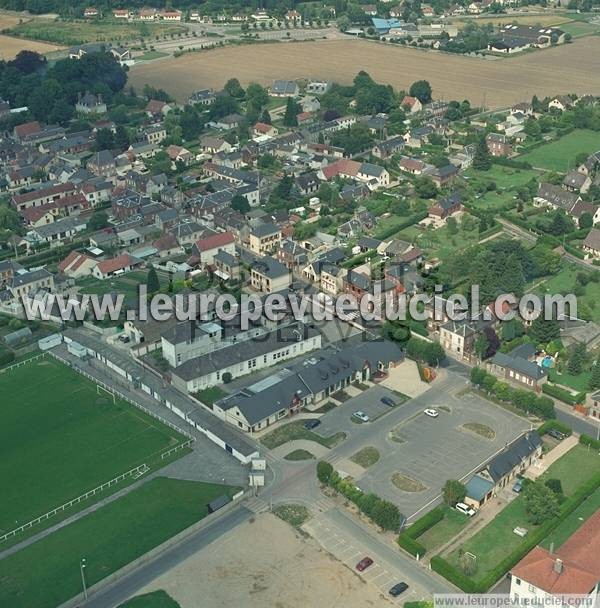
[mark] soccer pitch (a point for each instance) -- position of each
(60, 438)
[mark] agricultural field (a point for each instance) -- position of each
(10, 46)
(108, 539)
(560, 155)
(563, 69)
(522, 19)
(79, 32)
(61, 438)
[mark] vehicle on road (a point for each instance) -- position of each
(398, 589)
(361, 416)
(518, 486)
(431, 412)
(556, 434)
(364, 563)
(388, 401)
(312, 424)
(465, 509)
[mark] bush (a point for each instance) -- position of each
(407, 539)
(324, 471)
(562, 394)
(587, 440)
(226, 378)
(410, 545)
(6, 357)
(554, 425)
(441, 566)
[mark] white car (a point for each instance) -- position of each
(361, 416)
(465, 509)
(431, 413)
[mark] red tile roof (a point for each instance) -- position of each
(114, 264)
(215, 241)
(28, 128)
(345, 166)
(580, 562)
(36, 194)
(155, 107)
(73, 261)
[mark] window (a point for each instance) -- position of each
(531, 588)
(517, 581)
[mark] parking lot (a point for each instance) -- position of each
(433, 450)
(369, 402)
(349, 544)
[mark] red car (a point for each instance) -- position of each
(364, 563)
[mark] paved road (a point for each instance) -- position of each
(128, 585)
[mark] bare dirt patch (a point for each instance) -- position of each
(480, 429)
(501, 82)
(366, 457)
(266, 563)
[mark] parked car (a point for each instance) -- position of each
(361, 416)
(312, 424)
(518, 486)
(556, 434)
(364, 563)
(431, 412)
(388, 401)
(397, 589)
(465, 509)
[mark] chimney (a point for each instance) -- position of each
(558, 566)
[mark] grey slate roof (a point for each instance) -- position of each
(513, 455)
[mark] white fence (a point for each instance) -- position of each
(21, 363)
(135, 473)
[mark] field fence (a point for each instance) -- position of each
(135, 473)
(21, 363)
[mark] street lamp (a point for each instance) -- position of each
(82, 570)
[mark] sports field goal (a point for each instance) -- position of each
(100, 390)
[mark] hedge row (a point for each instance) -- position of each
(454, 575)
(587, 440)
(407, 540)
(6, 357)
(511, 162)
(411, 220)
(562, 394)
(554, 425)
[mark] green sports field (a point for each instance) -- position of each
(46, 573)
(60, 438)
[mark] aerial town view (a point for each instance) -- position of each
(299, 303)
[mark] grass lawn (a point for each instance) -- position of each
(480, 429)
(60, 439)
(126, 284)
(573, 522)
(445, 530)
(496, 540)
(441, 243)
(407, 484)
(578, 383)
(210, 395)
(299, 455)
(79, 32)
(156, 599)
(366, 457)
(560, 155)
(46, 573)
(577, 29)
(295, 430)
(574, 468)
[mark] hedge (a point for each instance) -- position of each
(407, 540)
(556, 426)
(511, 162)
(562, 394)
(454, 575)
(6, 357)
(587, 440)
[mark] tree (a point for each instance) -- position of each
(28, 62)
(513, 277)
(324, 471)
(595, 377)
(240, 203)
(152, 282)
(425, 187)
(560, 223)
(541, 503)
(543, 330)
(481, 346)
(98, 221)
(482, 160)
(104, 140)
(586, 220)
(234, 88)
(257, 96)
(421, 89)
(227, 377)
(577, 359)
(265, 117)
(454, 491)
(452, 226)
(291, 112)
(556, 486)
(387, 515)
(9, 218)
(121, 138)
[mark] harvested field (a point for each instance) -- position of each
(545, 20)
(10, 47)
(501, 82)
(245, 567)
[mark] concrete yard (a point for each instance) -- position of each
(245, 567)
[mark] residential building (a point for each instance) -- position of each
(264, 239)
(267, 275)
(519, 367)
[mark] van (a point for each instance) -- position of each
(465, 509)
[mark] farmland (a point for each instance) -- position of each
(79, 32)
(11, 46)
(564, 69)
(61, 438)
